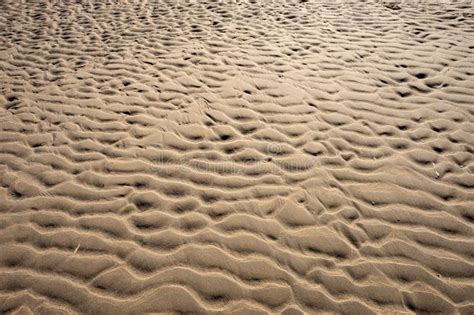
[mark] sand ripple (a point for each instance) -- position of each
(237, 156)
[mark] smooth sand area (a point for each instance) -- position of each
(237, 157)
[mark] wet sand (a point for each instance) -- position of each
(237, 157)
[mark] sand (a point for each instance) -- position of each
(237, 157)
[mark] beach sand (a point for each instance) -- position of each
(236, 157)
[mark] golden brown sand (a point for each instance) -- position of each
(237, 157)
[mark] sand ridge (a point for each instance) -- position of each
(236, 157)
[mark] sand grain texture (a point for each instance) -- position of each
(221, 157)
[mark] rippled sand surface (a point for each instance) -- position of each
(237, 157)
